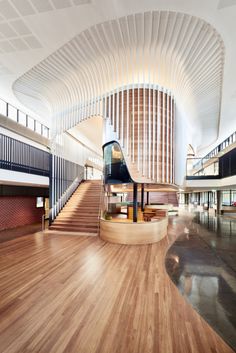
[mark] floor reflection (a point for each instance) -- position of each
(202, 264)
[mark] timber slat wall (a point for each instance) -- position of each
(143, 120)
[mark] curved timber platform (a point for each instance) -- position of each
(125, 232)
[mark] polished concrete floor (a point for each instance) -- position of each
(202, 264)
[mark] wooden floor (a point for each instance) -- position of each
(79, 294)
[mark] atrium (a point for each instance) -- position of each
(117, 176)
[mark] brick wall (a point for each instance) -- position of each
(17, 211)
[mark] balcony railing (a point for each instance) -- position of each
(212, 168)
(227, 142)
(21, 157)
(18, 116)
(202, 168)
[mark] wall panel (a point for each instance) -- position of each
(148, 141)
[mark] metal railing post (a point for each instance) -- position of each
(43, 222)
(26, 124)
(101, 200)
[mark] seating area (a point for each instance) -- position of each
(150, 214)
(118, 227)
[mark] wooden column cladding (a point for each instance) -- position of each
(143, 119)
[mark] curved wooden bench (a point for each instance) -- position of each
(133, 233)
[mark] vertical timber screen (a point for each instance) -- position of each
(65, 176)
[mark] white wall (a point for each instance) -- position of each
(89, 132)
(229, 129)
(93, 174)
(10, 177)
(67, 147)
(183, 137)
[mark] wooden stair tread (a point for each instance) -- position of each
(80, 214)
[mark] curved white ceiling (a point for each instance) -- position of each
(180, 52)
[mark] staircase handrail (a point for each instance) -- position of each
(66, 195)
(101, 204)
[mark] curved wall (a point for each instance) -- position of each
(175, 50)
(143, 120)
(130, 233)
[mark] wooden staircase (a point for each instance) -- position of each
(81, 212)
